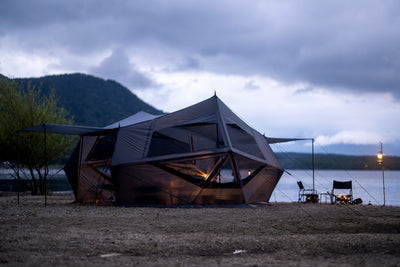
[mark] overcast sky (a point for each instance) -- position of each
(323, 69)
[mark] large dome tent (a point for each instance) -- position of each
(201, 155)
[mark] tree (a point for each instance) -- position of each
(23, 108)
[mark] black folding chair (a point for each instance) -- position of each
(303, 193)
(342, 187)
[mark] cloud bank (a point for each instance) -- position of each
(308, 68)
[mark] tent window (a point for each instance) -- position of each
(208, 172)
(103, 149)
(198, 169)
(243, 141)
(225, 178)
(203, 136)
(187, 138)
(104, 170)
(248, 168)
(164, 145)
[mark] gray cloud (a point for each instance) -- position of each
(188, 63)
(251, 85)
(118, 67)
(350, 46)
(303, 90)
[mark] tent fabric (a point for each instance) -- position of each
(135, 118)
(127, 148)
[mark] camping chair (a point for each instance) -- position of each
(342, 198)
(303, 193)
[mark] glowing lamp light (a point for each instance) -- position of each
(205, 175)
(249, 172)
(380, 162)
(380, 157)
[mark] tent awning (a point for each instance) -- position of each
(273, 140)
(140, 116)
(67, 129)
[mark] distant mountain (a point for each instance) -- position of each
(292, 161)
(91, 100)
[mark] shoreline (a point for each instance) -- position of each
(70, 194)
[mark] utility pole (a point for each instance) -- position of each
(380, 162)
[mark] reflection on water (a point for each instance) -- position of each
(367, 185)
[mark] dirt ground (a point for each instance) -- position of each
(63, 233)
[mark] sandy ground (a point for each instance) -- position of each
(63, 233)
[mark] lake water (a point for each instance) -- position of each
(56, 181)
(367, 185)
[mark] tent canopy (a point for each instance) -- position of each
(197, 128)
(138, 117)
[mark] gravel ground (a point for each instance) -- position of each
(289, 234)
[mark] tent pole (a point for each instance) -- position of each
(45, 167)
(313, 166)
(383, 178)
(18, 159)
(78, 195)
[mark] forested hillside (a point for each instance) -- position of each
(336, 162)
(90, 100)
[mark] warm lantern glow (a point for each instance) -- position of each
(343, 198)
(249, 172)
(380, 157)
(205, 175)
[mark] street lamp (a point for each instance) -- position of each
(380, 162)
(380, 157)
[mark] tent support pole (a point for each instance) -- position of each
(45, 166)
(18, 159)
(78, 195)
(313, 166)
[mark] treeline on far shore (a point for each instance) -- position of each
(336, 162)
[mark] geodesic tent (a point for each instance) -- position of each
(203, 154)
